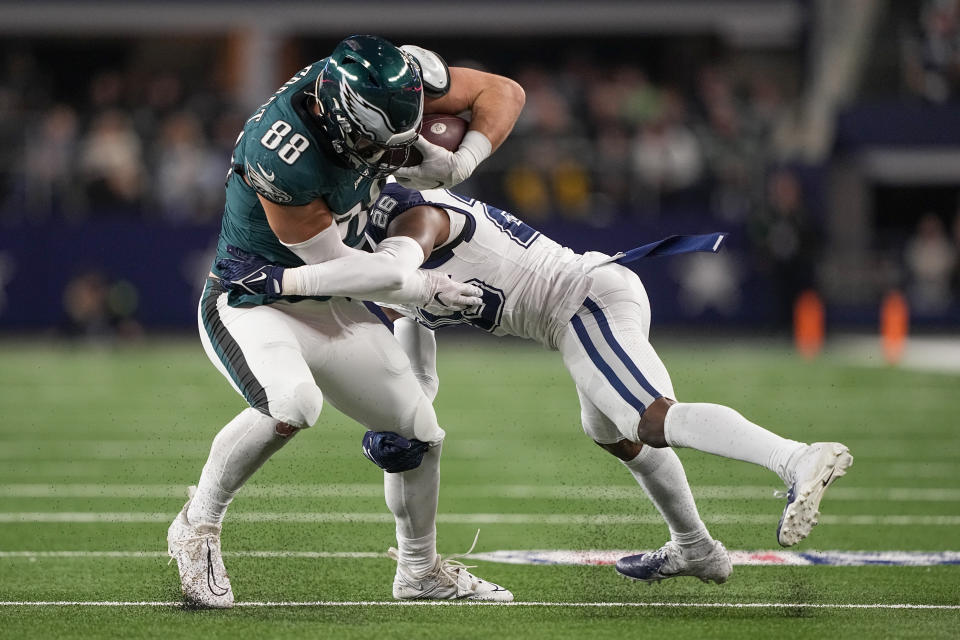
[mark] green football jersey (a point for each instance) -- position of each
(283, 156)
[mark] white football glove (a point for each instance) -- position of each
(444, 295)
(442, 169)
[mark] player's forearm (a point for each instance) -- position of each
(495, 110)
(390, 274)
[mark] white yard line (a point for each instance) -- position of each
(921, 470)
(467, 518)
(922, 353)
(615, 492)
(467, 603)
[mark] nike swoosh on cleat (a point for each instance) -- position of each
(211, 577)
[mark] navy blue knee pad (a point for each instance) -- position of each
(392, 452)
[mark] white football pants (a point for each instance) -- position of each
(607, 350)
(286, 358)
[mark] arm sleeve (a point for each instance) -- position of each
(322, 247)
(389, 274)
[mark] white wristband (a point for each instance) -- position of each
(478, 146)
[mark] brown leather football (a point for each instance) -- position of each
(443, 129)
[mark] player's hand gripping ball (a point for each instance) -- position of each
(442, 129)
(446, 154)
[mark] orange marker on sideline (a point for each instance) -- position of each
(808, 324)
(894, 325)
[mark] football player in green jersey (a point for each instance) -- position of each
(305, 167)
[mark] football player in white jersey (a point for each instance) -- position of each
(306, 167)
(596, 313)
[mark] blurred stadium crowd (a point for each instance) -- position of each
(596, 140)
(130, 142)
(611, 133)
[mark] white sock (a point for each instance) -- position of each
(720, 430)
(412, 498)
(660, 473)
(239, 449)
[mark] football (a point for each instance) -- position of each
(443, 129)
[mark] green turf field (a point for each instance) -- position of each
(97, 446)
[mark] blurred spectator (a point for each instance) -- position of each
(527, 192)
(604, 100)
(956, 250)
(932, 57)
(733, 144)
(7, 269)
(612, 171)
(187, 177)
(640, 101)
(49, 180)
(571, 186)
(106, 91)
(765, 101)
(709, 282)
(786, 241)
(666, 154)
(162, 97)
(930, 258)
(549, 174)
(111, 165)
(96, 308)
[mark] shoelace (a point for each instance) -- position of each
(451, 567)
(206, 536)
(663, 552)
(783, 493)
(191, 491)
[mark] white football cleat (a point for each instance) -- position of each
(448, 580)
(815, 470)
(668, 562)
(196, 548)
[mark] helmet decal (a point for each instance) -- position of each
(372, 121)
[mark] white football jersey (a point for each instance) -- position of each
(531, 285)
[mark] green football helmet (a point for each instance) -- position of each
(370, 96)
